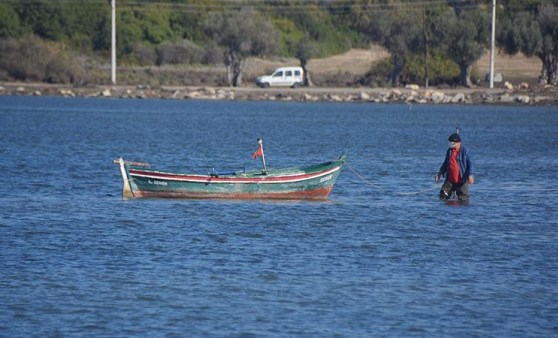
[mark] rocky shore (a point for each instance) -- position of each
(411, 94)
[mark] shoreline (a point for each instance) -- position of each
(411, 94)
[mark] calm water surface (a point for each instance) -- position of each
(383, 257)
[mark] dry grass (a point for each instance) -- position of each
(355, 61)
(358, 62)
(513, 68)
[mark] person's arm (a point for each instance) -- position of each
(443, 168)
(470, 169)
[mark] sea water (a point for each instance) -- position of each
(382, 257)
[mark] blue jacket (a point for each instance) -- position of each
(464, 161)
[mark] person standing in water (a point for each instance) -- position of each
(457, 170)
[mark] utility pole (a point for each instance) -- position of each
(113, 42)
(492, 42)
(425, 37)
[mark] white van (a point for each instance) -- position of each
(284, 76)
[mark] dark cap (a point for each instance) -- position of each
(454, 138)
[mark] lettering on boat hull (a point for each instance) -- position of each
(155, 182)
(325, 178)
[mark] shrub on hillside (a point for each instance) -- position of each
(65, 69)
(213, 54)
(338, 79)
(181, 52)
(378, 75)
(441, 70)
(144, 55)
(32, 59)
(172, 76)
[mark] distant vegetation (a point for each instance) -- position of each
(69, 41)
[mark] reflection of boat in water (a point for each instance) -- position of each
(314, 182)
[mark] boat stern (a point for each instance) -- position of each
(126, 188)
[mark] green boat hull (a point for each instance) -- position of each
(308, 183)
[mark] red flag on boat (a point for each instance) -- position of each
(258, 152)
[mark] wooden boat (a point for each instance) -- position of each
(314, 182)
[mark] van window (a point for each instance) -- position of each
(289, 73)
(278, 74)
(297, 72)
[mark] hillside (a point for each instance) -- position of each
(515, 69)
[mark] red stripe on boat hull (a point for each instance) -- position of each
(229, 179)
(315, 194)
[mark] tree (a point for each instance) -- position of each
(547, 18)
(128, 31)
(465, 34)
(189, 23)
(531, 28)
(155, 23)
(295, 18)
(304, 51)
(86, 25)
(9, 21)
(44, 18)
(242, 34)
(398, 31)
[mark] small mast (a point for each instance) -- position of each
(260, 142)
(260, 152)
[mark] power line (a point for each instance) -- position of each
(333, 7)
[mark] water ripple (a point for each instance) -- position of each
(76, 259)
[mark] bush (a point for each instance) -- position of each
(182, 52)
(26, 59)
(338, 79)
(378, 76)
(441, 70)
(65, 69)
(144, 55)
(171, 75)
(32, 59)
(213, 55)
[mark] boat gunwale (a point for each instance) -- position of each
(328, 168)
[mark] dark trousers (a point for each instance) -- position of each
(461, 189)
